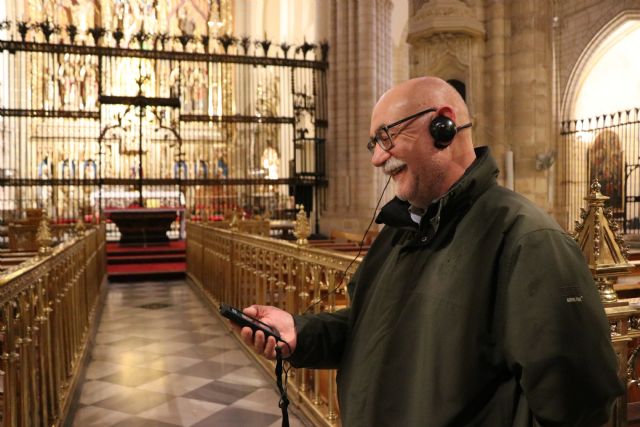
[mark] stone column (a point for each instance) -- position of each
(530, 104)
(359, 72)
(495, 85)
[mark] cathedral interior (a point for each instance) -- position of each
(160, 157)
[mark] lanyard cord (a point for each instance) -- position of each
(282, 385)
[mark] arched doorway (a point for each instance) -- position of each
(600, 131)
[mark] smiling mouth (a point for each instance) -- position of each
(396, 170)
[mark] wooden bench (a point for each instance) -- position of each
(10, 258)
(22, 237)
(258, 227)
(345, 241)
(338, 246)
(349, 236)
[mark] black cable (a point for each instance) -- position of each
(318, 299)
(280, 370)
(282, 385)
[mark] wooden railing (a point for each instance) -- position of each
(48, 304)
(242, 269)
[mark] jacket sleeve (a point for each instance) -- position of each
(320, 339)
(557, 337)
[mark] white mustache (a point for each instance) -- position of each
(391, 165)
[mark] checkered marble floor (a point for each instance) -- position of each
(162, 359)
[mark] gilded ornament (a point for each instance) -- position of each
(43, 236)
(234, 221)
(302, 228)
(598, 236)
(79, 227)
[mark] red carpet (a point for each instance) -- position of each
(173, 245)
(129, 260)
(156, 268)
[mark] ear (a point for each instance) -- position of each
(447, 111)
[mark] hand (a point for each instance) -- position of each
(272, 316)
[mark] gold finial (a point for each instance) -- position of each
(595, 197)
(43, 236)
(302, 229)
(79, 227)
(601, 243)
(234, 221)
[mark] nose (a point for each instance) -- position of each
(379, 156)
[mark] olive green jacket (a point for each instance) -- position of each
(484, 315)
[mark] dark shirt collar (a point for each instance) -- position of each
(477, 178)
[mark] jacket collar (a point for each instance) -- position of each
(476, 180)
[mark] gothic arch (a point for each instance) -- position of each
(612, 32)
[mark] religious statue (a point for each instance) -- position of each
(174, 84)
(181, 169)
(88, 85)
(201, 169)
(270, 161)
(91, 165)
(119, 10)
(45, 173)
(222, 167)
(149, 9)
(185, 23)
(51, 88)
(197, 88)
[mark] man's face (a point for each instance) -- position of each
(413, 162)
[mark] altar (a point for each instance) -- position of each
(142, 226)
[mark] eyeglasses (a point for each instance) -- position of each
(382, 136)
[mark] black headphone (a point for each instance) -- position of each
(443, 130)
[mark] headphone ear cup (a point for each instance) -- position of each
(443, 130)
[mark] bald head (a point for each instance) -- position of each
(417, 94)
(432, 168)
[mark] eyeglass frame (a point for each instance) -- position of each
(376, 140)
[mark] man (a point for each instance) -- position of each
(472, 307)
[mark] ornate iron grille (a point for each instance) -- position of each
(606, 147)
(208, 125)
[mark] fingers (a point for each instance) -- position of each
(258, 342)
(247, 335)
(252, 310)
(280, 320)
(270, 348)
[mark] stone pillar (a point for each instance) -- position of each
(495, 85)
(359, 73)
(530, 105)
(400, 27)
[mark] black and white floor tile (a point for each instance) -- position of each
(162, 359)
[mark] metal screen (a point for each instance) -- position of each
(605, 147)
(210, 125)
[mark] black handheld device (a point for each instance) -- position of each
(241, 319)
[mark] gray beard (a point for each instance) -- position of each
(392, 164)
